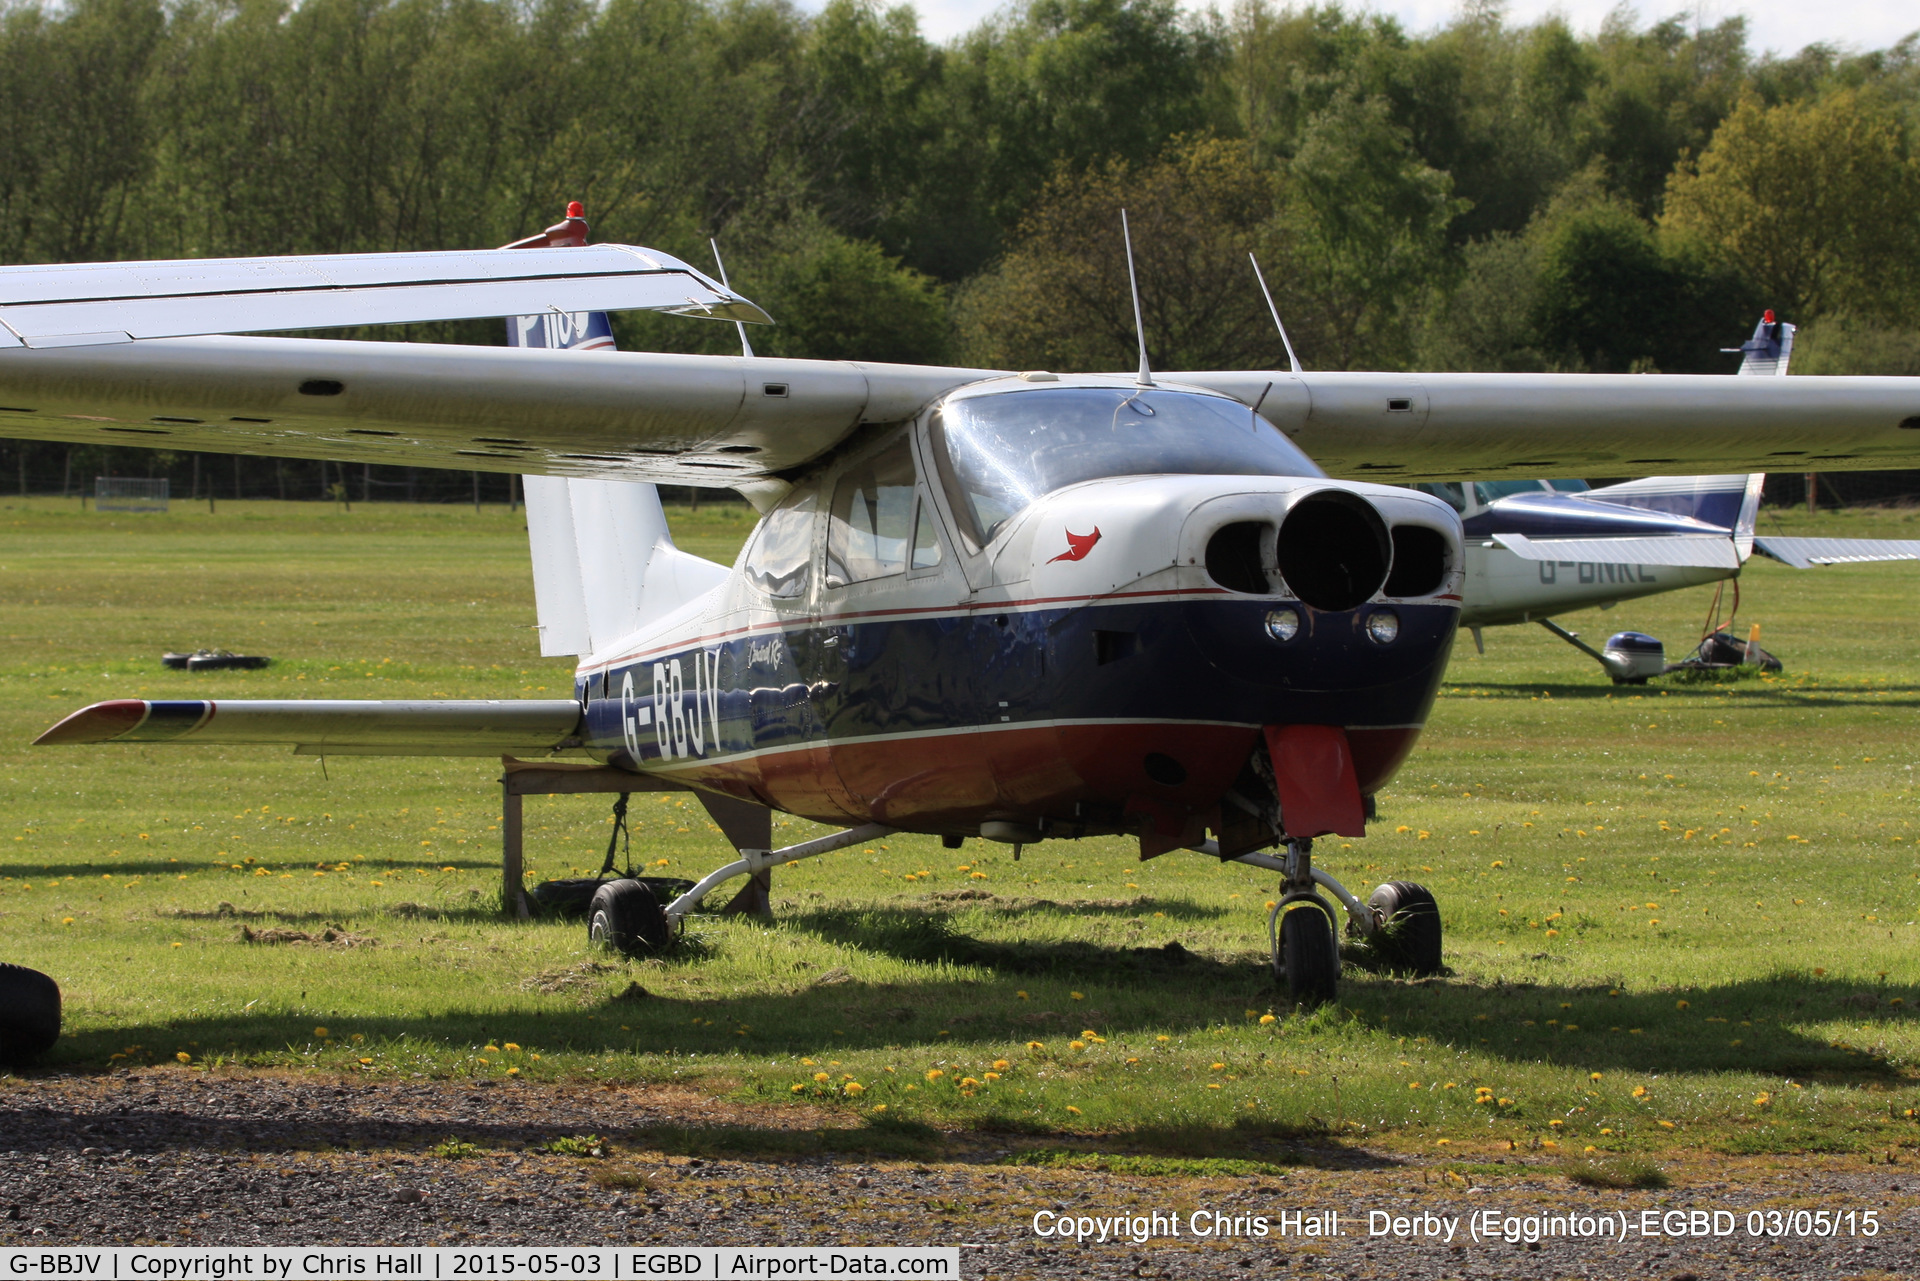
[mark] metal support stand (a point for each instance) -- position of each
(1573, 639)
(745, 825)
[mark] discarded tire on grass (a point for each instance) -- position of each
(29, 1014)
(1409, 940)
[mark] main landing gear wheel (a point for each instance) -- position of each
(29, 1014)
(625, 916)
(1307, 959)
(1409, 936)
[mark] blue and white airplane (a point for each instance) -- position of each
(1538, 548)
(1201, 609)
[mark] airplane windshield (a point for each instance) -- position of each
(1000, 452)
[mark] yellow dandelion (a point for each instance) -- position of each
(1266, 1019)
(1036, 1045)
(852, 1088)
(184, 1057)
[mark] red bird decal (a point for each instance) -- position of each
(1078, 545)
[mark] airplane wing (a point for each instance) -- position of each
(1706, 551)
(644, 416)
(114, 353)
(1406, 427)
(91, 304)
(333, 727)
(1805, 553)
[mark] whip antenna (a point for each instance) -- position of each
(1293, 361)
(746, 348)
(1126, 236)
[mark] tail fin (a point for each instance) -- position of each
(1717, 500)
(604, 564)
(1766, 353)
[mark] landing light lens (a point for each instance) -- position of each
(1283, 624)
(1383, 625)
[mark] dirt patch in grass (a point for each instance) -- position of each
(332, 936)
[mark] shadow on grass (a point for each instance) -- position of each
(1750, 1026)
(1726, 695)
(930, 938)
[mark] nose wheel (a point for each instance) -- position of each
(1306, 959)
(1306, 952)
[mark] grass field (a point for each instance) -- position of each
(1677, 917)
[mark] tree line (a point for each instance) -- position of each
(1486, 195)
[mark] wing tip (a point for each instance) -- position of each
(96, 723)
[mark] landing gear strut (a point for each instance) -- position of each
(1400, 921)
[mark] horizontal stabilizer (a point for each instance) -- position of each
(333, 727)
(89, 304)
(1805, 553)
(1699, 551)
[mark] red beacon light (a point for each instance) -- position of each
(577, 210)
(1766, 316)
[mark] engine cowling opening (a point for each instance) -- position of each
(1333, 550)
(1420, 558)
(1233, 557)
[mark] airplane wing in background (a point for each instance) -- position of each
(1805, 553)
(333, 727)
(91, 304)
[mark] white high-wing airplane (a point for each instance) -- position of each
(1537, 548)
(1014, 605)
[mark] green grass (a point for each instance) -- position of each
(1678, 916)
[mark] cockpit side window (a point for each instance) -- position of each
(1449, 492)
(1492, 491)
(779, 559)
(870, 525)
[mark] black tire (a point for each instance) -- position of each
(1409, 941)
(625, 916)
(1307, 952)
(29, 1014)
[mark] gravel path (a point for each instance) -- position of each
(178, 1157)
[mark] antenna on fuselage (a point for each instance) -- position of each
(1133, 284)
(1293, 361)
(746, 348)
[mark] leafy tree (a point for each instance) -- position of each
(1813, 201)
(1060, 300)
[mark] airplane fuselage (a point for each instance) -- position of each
(1083, 669)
